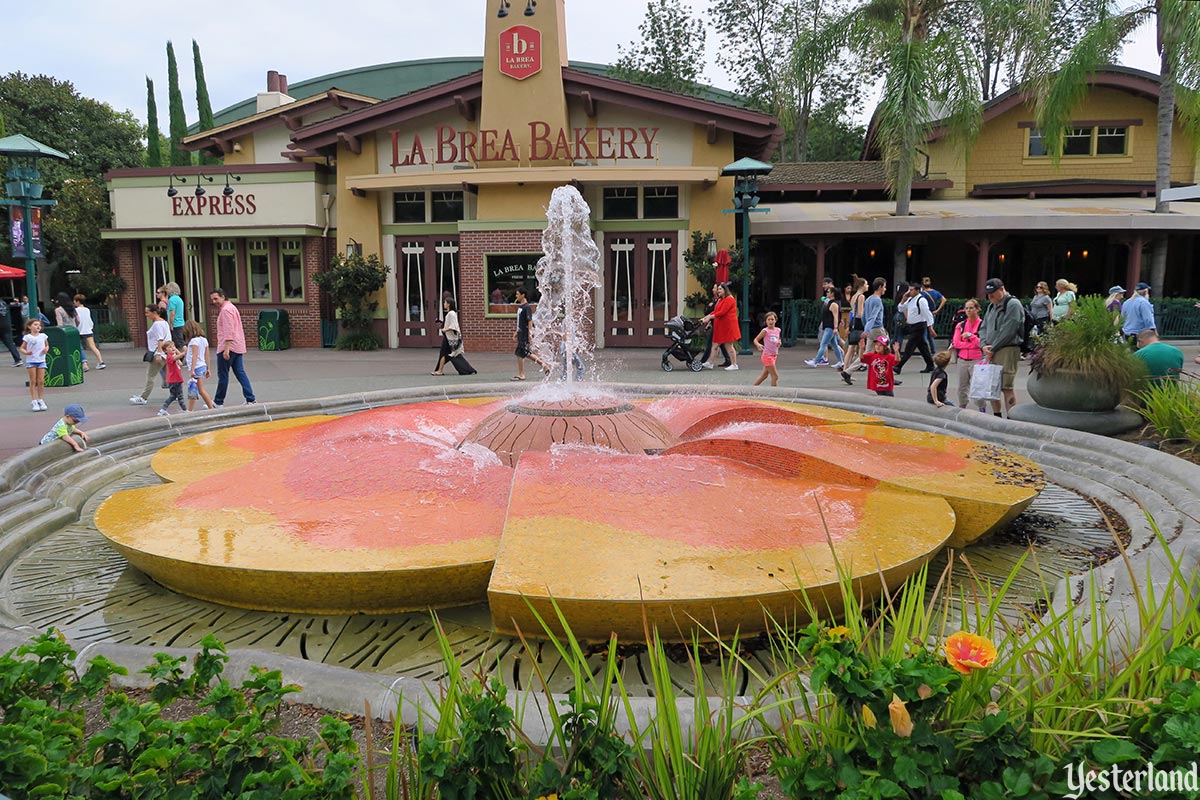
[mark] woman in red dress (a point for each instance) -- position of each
(724, 319)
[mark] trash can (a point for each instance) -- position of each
(64, 361)
(274, 329)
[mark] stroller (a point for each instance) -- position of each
(679, 331)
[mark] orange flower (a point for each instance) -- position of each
(966, 652)
(902, 723)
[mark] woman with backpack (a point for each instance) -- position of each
(965, 342)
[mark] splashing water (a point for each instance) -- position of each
(566, 275)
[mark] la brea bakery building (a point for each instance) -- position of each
(443, 169)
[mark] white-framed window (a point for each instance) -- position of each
(226, 257)
(422, 206)
(291, 270)
(258, 253)
(1084, 141)
(640, 202)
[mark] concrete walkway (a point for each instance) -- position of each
(309, 373)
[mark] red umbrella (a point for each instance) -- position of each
(722, 264)
(11, 272)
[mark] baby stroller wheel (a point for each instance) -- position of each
(695, 365)
(667, 366)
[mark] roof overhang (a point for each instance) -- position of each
(1100, 215)
(219, 140)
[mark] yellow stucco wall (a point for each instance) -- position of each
(358, 217)
(244, 157)
(513, 202)
(999, 154)
(705, 204)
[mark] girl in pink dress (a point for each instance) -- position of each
(768, 342)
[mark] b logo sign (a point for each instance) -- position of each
(521, 52)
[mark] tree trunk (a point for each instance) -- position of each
(1162, 174)
(899, 262)
(904, 180)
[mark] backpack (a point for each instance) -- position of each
(1027, 326)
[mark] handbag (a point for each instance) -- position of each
(455, 342)
(148, 356)
(985, 382)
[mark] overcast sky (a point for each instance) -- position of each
(108, 47)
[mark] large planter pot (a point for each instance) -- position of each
(1072, 390)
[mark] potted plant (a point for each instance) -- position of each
(1081, 364)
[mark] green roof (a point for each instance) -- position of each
(385, 81)
(21, 145)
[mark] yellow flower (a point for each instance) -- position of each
(902, 723)
(966, 652)
(868, 717)
(840, 632)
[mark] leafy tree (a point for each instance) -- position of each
(833, 135)
(787, 61)
(153, 137)
(179, 156)
(96, 138)
(929, 73)
(670, 54)
(74, 227)
(203, 104)
(350, 282)
(2, 133)
(1058, 92)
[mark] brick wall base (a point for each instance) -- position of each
(482, 333)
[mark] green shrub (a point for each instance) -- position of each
(112, 332)
(229, 748)
(1173, 408)
(350, 282)
(1087, 342)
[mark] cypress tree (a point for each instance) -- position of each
(203, 104)
(153, 137)
(179, 156)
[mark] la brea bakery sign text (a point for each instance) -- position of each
(452, 146)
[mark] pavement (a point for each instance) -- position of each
(310, 373)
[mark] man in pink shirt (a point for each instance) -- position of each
(231, 348)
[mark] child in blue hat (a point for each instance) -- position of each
(67, 427)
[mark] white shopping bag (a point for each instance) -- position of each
(985, 382)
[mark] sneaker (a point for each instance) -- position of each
(846, 377)
(33, 406)
(18, 363)
(162, 412)
(250, 403)
(731, 368)
(861, 368)
(137, 400)
(102, 365)
(86, 368)
(837, 365)
(42, 405)
(896, 382)
(708, 365)
(812, 362)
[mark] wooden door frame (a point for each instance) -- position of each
(641, 322)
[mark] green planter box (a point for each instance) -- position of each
(64, 361)
(274, 329)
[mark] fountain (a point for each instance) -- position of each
(619, 510)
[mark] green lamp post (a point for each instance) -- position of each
(746, 172)
(23, 184)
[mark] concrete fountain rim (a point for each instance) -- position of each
(42, 490)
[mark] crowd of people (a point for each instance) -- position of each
(852, 336)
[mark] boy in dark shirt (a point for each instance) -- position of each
(938, 380)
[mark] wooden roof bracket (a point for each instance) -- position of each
(712, 131)
(291, 121)
(358, 192)
(224, 145)
(353, 143)
(465, 109)
(337, 100)
(589, 103)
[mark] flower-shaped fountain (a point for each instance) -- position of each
(675, 511)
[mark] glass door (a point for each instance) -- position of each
(639, 288)
(158, 266)
(428, 273)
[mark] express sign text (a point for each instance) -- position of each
(213, 205)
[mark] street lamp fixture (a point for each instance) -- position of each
(228, 190)
(711, 248)
(746, 172)
(531, 8)
(503, 12)
(199, 187)
(23, 184)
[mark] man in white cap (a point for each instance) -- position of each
(1137, 314)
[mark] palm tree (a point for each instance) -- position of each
(1058, 92)
(930, 74)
